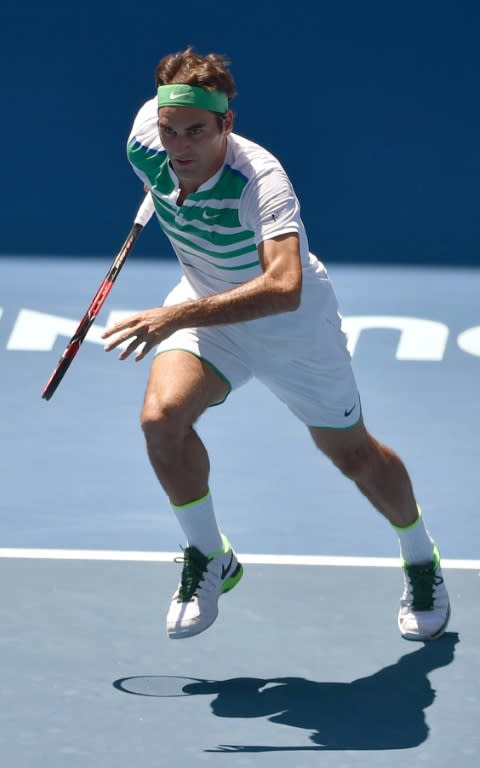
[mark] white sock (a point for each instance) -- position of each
(197, 521)
(416, 544)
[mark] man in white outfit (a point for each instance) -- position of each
(253, 301)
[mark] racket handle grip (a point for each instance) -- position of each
(144, 213)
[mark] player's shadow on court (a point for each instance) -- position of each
(382, 711)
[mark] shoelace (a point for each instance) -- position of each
(194, 567)
(423, 579)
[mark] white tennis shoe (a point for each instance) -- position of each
(194, 605)
(424, 605)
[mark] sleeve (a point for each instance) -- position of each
(143, 143)
(144, 126)
(269, 206)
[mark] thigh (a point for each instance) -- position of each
(181, 382)
(338, 443)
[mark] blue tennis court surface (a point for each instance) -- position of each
(79, 459)
(305, 658)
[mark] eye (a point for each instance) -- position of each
(166, 129)
(195, 131)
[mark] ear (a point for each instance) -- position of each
(228, 122)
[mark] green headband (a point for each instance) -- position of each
(180, 95)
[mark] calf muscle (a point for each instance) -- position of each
(376, 469)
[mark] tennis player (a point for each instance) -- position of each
(253, 301)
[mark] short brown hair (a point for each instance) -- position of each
(190, 68)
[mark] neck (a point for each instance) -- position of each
(187, 186)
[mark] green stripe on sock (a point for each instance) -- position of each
(412, 525)
(191, 503)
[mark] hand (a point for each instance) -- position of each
(149, 328)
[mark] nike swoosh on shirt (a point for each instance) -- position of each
(210, 215)
(347, 413)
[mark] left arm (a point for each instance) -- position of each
(277, 289)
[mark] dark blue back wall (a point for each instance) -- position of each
(372, 107)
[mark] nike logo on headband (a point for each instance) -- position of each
(177, 95)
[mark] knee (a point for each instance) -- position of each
(162, 421)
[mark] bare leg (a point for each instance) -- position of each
(179, 390)
(376, 470)
(382, 477)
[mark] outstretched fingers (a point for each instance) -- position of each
(147, 328)
(131, 328)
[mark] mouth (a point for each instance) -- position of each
(183, 162)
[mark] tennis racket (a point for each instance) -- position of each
(144, 214)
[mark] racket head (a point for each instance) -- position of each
(57, 375)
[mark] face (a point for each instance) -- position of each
(194, 144)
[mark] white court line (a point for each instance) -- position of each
(168, 557)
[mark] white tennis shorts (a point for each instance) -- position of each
(300, 356)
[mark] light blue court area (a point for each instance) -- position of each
(305, 665)
(75, 472)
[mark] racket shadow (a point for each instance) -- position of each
(157, 686)
(385, 710)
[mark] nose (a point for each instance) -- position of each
(180, 146)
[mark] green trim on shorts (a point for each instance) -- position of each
(204, 360)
